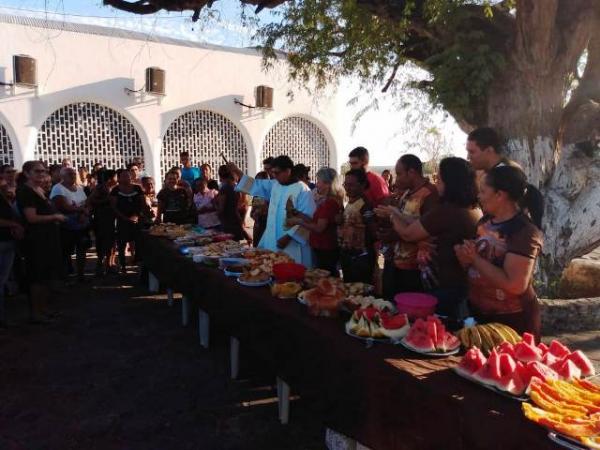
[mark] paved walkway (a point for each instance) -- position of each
(118, 371)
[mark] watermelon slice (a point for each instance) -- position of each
(536, 369)
(543, 348)
(506, 347)
(557, 349)
(471, 362)
(550, 360)
(568, 370)
(526, 352)
(512, 383)
(394, 327)
(582, 362)
(490, 373)
(529, 338)
(447, 342)
(420, 342)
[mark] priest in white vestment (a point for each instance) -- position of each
(278, 191)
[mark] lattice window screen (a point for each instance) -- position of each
(6, 149)
(301, 140)
(88, 133)
(204, 134)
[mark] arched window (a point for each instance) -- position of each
(301, 140)
(6, 149)
(206, 135)
(88, 133)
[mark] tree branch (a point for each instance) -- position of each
(391, 78)
(138, 7)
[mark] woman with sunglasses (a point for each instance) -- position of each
(42, 238)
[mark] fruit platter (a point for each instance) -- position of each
(377, 325)
(429, 337)
(324, 299)
(569, 408)
(510, 369)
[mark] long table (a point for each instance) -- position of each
(384, 396)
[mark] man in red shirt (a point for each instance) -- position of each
(378, 188)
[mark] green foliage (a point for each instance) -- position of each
(330, 39)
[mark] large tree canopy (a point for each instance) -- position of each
(529, 68)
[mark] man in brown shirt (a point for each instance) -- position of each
(402, 273)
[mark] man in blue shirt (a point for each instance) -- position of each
(189, 173)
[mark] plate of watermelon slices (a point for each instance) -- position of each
(509, 369)
(429, 337)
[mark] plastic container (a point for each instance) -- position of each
(415, 305)
(284, 272)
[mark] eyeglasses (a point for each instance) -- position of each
(40, 171)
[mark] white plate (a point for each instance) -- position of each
(255, 283)
(367, 339)
(521, 398)
(435, 354)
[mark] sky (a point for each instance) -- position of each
(397, 130)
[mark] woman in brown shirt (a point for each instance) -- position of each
(502, 259)
(446, 224)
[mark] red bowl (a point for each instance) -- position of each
(415, 305)
(284, 272)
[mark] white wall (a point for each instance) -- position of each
(75, 67)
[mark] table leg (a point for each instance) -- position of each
(153, 284)
(203, 327)
(234, 357)
(283, 395)
(170, 297)
(185, 311)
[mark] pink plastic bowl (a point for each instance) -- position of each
(415, 304)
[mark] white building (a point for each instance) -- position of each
(84, 107)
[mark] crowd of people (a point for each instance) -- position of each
(471, 238)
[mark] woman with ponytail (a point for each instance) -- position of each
(502, 259)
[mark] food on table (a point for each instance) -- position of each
(169, 230)
(512, 368)
(222, 249)
(571, 408)
(371, 322)
(290, 289)
(487, 336)
(357, 288)
(266, 259)
(324, 299)
(254, 275)
(312, 276)
(355, 302)
(430, 336)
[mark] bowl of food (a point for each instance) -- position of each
(284, 272)
(415, 305)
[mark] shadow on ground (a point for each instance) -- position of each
(117, 371)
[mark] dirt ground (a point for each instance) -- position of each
(118, 371)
